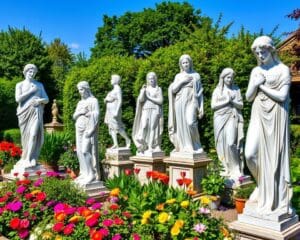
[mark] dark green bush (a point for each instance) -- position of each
(12, 135)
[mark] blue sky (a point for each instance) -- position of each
(76, 22)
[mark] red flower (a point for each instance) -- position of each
(127, 172)
(41, 196)
(126, 214)
(69, 229)
(118, 221)
(136, 170)
(38, 172)
(16, 174)
(149, 174)
(182, 174)
(26, 174)
(15, 223)
(92, 220)
(187, 181)
(179, 181)
(96, 235)
(58, 227)
(114, 207)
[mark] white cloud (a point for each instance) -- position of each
(74, 46)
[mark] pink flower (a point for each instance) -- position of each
(200, 228)
(21, 189)
(38, 182)
(117, 237)
(107, 222)
(104, 232)
(24, 223)
(69, 229)
(136, 236)
(204, 210)
(14, 206)
(96, 205)
(92, 221)
(23, 233)
(90, 201)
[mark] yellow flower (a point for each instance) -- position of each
(58, 237)
(147, 214)
(171, 201)
(47, 235)
(184, 204)
(205, 200)
(163, 217)
(35, 192)
(74, 219)
(213, 198)
(115, 192)
(144, 221)
(179, 223)
(175, 230)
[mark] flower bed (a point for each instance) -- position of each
(132, 211)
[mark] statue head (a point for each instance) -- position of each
(151, 79)
(28, 67)
(185, 59)
(115, 79)
(226, 77)
(84, 89)
(263, 48)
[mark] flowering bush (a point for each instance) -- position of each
(9, 153)
(69, 158)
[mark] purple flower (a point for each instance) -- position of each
(200, 228)
(241, 179)
(21, 189)
(50, 203)
(117, 237)
(114, 199)
(14, 206)
(38, 182)
(96, 206)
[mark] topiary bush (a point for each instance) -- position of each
(12, 135)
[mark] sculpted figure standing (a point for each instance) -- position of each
(148, 123)
(267, 143)
(227, 103)
(87, 120)
(185, 108)
(31, 98)
(113, 115)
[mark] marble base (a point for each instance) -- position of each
(195, 169)
(246, 231)
(94, 189)
(119, 154)
(188, 155)
(21, 170)
(146, 164)
(54, 126)
(150, 154)
(115, 167)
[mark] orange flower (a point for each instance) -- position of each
(60, 216)
(187, 181)
(160, 207)
(225, 232)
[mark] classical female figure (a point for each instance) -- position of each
(87, 120)
(185, 108)
(113, 115)
(227, 103)
(31, 98)
(267, 142)
(148, 122)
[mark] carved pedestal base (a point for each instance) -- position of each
(18, 171)
(194, 166)
(95, 189)
(145, 164)
(116, 161)
(246, 231)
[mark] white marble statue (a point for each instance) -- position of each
(31, 98)
(148, 123)
(227, 103)
(86, 116)
(267, 142)
(113, 115)
(185, 108)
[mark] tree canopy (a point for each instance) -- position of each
(141, 33)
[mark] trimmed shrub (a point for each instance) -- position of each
(12, 135)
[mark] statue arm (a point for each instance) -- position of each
(218, 102)
(94, 114)
(23, 96)
(119, 102)
(253, 85)
(44, 98)
(157, 100)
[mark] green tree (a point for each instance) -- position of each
(141, 33)
(62, 60)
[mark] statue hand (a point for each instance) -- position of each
(259, 79)
(34, 88)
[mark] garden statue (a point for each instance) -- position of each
(113, 115)
(185, 107)
(87, 120)
(148, 123)
(267, 142)
(54, 111)
(227, 104)
(31, 98)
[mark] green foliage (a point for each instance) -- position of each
(295, 172)
(295, 140)
(69, 159)
(141, 33)
(98, 74)
(8, 118)
(245, 191)
(53, 147)
(12, 135)
(63, 190)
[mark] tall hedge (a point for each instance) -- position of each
(98, 74)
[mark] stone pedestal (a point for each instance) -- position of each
(54, 126)
(246, 231)
(32, 172)
(95, 189)
(145, 163)
(116, 161)
(193, 164)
